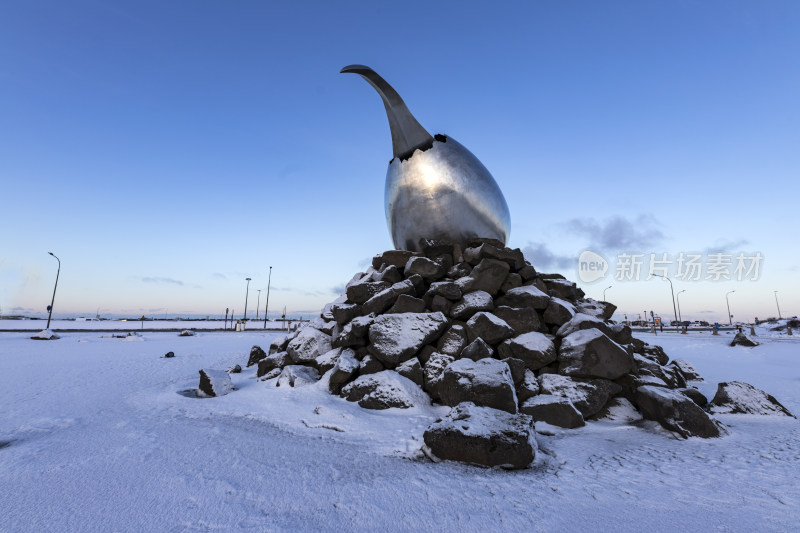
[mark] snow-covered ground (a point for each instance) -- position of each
(129, 325)
(95, 436)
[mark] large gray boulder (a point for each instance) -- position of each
(558, 312)
(406, 303)
(477, 349)
(528, 387)
(523, 320)
(740, 339)
(452, 341)
(360, 292)
(309, 344)
(397, 338)
(297, 376)
(326, 361)
(471, 303)
(433, 372)
(447, 289)
(215, 382)
(587, 395)
(385, 390)
(354, 333)
(429, 270)
(256, 355)
(483, 436)
(535, 349)
(686, 369)
(412, 370)
(526, 296)
(488, 327)
(676, 412)
(487, 276)
(271, 362)
(486, 382)
(740, 397)
(590, 353)
(583, 321)
(344, 370)
(554, 410)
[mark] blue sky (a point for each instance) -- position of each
(167, 150)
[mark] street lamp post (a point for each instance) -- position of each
(258, 303)
(266, 309)
(604, 292)
(245, 299)
(730, 316)
(678, 297)
(776, 303)
(52, 301)
(672, 290)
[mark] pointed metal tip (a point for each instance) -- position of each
(355, 69)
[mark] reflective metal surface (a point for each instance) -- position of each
(435, 187)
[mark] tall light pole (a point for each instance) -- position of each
(245, 299)
(604, 292)
(258, 303)
(776, 303)
(730, 316)
(672, 290)
(52, 301)
(678, 297)
(266, 309)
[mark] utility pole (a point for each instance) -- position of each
(258, 303)
(672, 290)
(776, 303)
(266, 310)
(680, 318)
(730, 316)
(245, 301)
(52, 301)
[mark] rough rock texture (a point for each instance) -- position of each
(397, 338)
(354, 333)
(297, 376)
(488, 276)
(687, 370)
(522, 320)
(483, 436)
(528, 296)
(487, 382)
(384, 390)
(588, 396)
(309, 344)
(477, 349)
(739, 397)
(589, 353)
(740, 339)
(452, 341)
(412, 370)
(535, 349)
(676, 412)
(215, 382)
(406, 303)
(256, 355)
(471, 303)
(555, 410)
(433, 371)
(528, 386)
(488, 327)
(344, 370)
(276, 360)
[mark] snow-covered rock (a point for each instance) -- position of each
(412, 369)
(555, 410)
(270, 362)
(522, 320)
(477, 349)
(384, 390)
(483, 436)
(396, 338)
(583, 321)
(590, 353)
(309, 344)
(343, 370)
(676, 412)
(535, 349)
(488, 327)
(256, 355)
(471, 303)
(486, 382)
(452, 341)
(687, 370)
(215, 382)
(739, 397)
(45, 335)
(740, 339)
(433, 370)
(297, 376)
(587, 395)
(354, 333)
(488, 276)
(558, 312)
(525, 296)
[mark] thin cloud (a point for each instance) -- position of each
(540, 256)
(617, 232)
(219, 275)
(162, 280)
(727, 246)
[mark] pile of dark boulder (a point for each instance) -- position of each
(476, 327)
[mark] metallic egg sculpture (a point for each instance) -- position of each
(435, 188)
